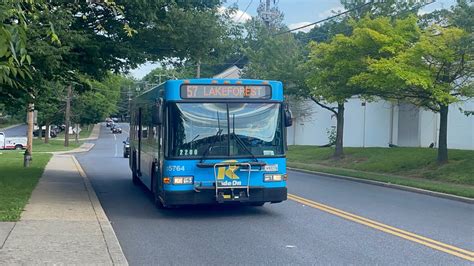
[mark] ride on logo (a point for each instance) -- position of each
(229, 172)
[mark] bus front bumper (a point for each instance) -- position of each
(208, 196)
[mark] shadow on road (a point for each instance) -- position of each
(205, 211)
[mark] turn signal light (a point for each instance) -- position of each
(166, 180)
(273, 177)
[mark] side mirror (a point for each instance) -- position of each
(287, 115)
(157, 112)
(124, 142)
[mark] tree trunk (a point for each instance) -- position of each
(77, 133)
(68, 116)
(198, 69)
(47, 133)
(339, 153)
(40, 131)
(443, 135)
(29, 146)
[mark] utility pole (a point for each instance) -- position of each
(198, 72)
(29, 146)
(68, 116)
(129, 104)
(267, 14)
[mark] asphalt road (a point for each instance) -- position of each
(292, 232)
(18, 131)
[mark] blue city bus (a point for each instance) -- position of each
(206, 141)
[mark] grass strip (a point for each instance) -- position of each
(53, 145)
(414, 167)
(17, 182)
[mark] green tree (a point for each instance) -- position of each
(50, 104)
(271, 56)
(14, 59)
(436, 71)
(99, 102)
(332, 66)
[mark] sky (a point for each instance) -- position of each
(296, 13)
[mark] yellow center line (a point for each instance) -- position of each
(455, 251)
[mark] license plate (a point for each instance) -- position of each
(271, 168)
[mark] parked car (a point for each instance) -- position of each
(52, 133)
(126, 148)
(12, 142)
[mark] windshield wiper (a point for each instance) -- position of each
(240, 141)
(216, 136)
(192, 141)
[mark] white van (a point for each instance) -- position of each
(12, 142)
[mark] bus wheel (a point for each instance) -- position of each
(135, 179)
(158, 203)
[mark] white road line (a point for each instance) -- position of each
(116, 149)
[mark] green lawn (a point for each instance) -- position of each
(17, 182)
(53, 145)
(414, 167)
(85, 133)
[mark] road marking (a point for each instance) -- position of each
(455, 251)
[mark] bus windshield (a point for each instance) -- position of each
(225, 130)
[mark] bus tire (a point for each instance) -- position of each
(154, 189)
(135, 179)
(158, 203)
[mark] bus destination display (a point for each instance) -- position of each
(226, 91)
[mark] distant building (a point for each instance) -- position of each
(379, 123)
(232, 72)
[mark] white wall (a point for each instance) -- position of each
(369, 126)
(460, 126)
(311, 130)
(373, 132)
(428, 128)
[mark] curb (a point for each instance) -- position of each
(95, 133)
(113, 246)
(389, 185)
(85, 147)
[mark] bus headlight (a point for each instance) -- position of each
(182, 180)
(274, 177)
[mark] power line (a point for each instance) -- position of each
(241, 15)
(393, 16)
(328, 18)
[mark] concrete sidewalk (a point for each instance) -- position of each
(63, 223)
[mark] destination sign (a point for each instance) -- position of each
(226, 92)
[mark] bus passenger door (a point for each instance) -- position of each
(138, 161)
